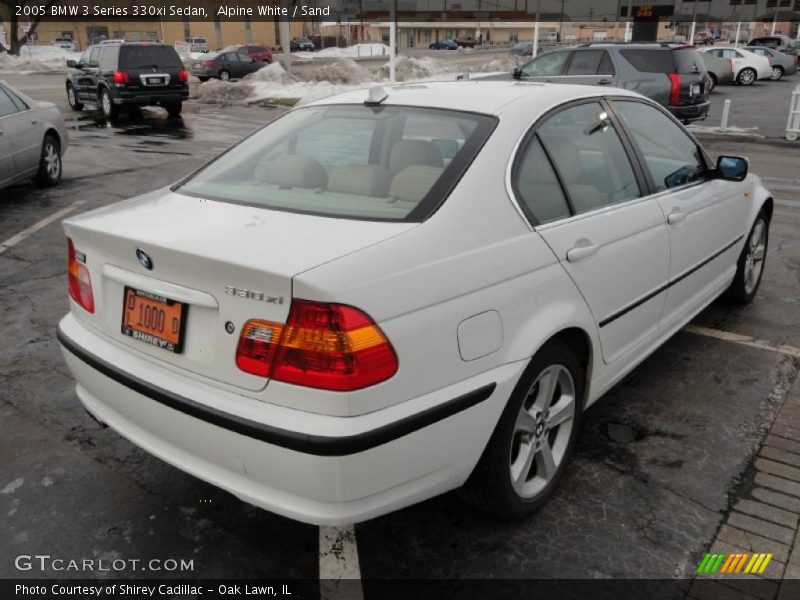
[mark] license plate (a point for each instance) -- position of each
(155, 81)
(695, 89)
(154, 319)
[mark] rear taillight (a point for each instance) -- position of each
(730, 62)
(183, 76)
(675, 89)
(208, 64)
(325, 346)
(80, 284)
(121, 77)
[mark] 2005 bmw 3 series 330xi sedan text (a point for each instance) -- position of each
(392, 293)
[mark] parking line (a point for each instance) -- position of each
(339, 570)
(744, 340)
(25, 233)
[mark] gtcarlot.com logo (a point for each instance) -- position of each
(46, 562)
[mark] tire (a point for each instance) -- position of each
(777, 73)
(174, 108)
(746, 76)
(525, 436)
(107, 106)
(224, 75)
(750, 266)
(50, 166)
(712, 82)
(202, 79)
(72, 98)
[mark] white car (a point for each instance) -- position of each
(65, 44)
(747, 66)
(383, 296)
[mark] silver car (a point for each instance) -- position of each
(782, 64)
(33, 139)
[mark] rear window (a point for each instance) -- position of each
(650, 60)
(389, 163)
(137, 57)
(687, 61)
(766, 41)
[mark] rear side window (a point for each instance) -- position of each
(7, 105)
(537, 186)
(585, 62)
(391, 163)
(547, 64)
(650, 60)
(145, 55)
(108, 58)
(688, 61)
(606, 66)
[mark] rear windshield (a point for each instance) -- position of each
(650, 60)
(137, 57)
(687, 61)
(388, 163)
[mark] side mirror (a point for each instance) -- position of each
(732, 168)
(72, 64)
(516, 73)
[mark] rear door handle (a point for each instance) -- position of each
(605, 82)
(581, 250)
(676, 216)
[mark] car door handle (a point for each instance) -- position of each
(581, 250)
(676, 216)
(34, 121)
(605, 82)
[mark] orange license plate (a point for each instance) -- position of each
(154, 319)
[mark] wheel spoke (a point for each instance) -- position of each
(562, 411)
(758, 253)
(548, 381)
(522, 467)
(545, 462)
(525, 421)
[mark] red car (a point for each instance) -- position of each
(255, 51)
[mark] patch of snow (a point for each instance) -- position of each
(13, 486)
(354, 51)
(37, 59)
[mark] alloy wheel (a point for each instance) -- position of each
(52, 161)
(71, 96)
(746, 77)
(777, 73)
(106, 104)
(754, 260)
(542, 431)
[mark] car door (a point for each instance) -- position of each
(547, 67)
(611, 240)
(31, 134)
(91, 74)
(232, 64)
(15, 130)
(705, 216)
(589, 67)
(247, 64)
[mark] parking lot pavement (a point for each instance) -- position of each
(657, 460)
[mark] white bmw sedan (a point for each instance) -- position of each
(383, 296)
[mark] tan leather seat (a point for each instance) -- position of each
(362, 180)
(293, 170)
(412, 183)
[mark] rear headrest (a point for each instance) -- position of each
(412, 183)
(566, 156)
(295, 171)
(414, 152)
(363, 180)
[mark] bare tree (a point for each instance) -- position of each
(8, 9)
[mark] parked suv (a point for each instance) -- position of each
(130, 74)
(781, 43)
(672, 75)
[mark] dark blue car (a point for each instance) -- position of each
(443, 45)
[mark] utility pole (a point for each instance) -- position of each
(393, 41)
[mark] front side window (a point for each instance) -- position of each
(589, 156)
(7, 105)
(389, 163)
(670, 154)
(548, 64)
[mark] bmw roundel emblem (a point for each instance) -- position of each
(144, 259)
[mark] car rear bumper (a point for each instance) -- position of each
(314, 468)
(694, 112)
(149, 97)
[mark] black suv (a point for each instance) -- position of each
(672, 75)
(114, 74)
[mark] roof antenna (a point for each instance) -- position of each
(376, 95)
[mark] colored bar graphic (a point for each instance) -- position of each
(740, 562)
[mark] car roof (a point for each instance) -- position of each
(487, 97)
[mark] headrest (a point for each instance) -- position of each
(414, 152)
(295, 171)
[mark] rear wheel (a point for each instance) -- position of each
(49, 163)
(712, 82)
(533, 440)
(777, 73)
(72, 98)
(107, 105)
(224, 75)
(174, 108)
(746, 76)
(750, 266)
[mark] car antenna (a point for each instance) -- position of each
(376, 95)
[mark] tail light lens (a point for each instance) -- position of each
(80, 284)
(121, 77)
(208, 64)
(325, 346)
(675, 89)
(183, 76)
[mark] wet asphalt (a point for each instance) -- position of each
(658, 462)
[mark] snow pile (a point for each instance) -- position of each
(273, 72)
(215, 91)
(415, 69)
(37, 59)
(354, 51)
(341, 71)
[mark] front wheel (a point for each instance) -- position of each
(777, 73)
(72, 98)
(533, 440)
(107, 105)
(174, 108)
(224, 75)
(49, 163)
(712, 82)
(750, 266)
(746, 77)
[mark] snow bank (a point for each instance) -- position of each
(37, 59)
(355, 51)
(215, 91)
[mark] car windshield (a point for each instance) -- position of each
(390, 163)
(137, 57)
